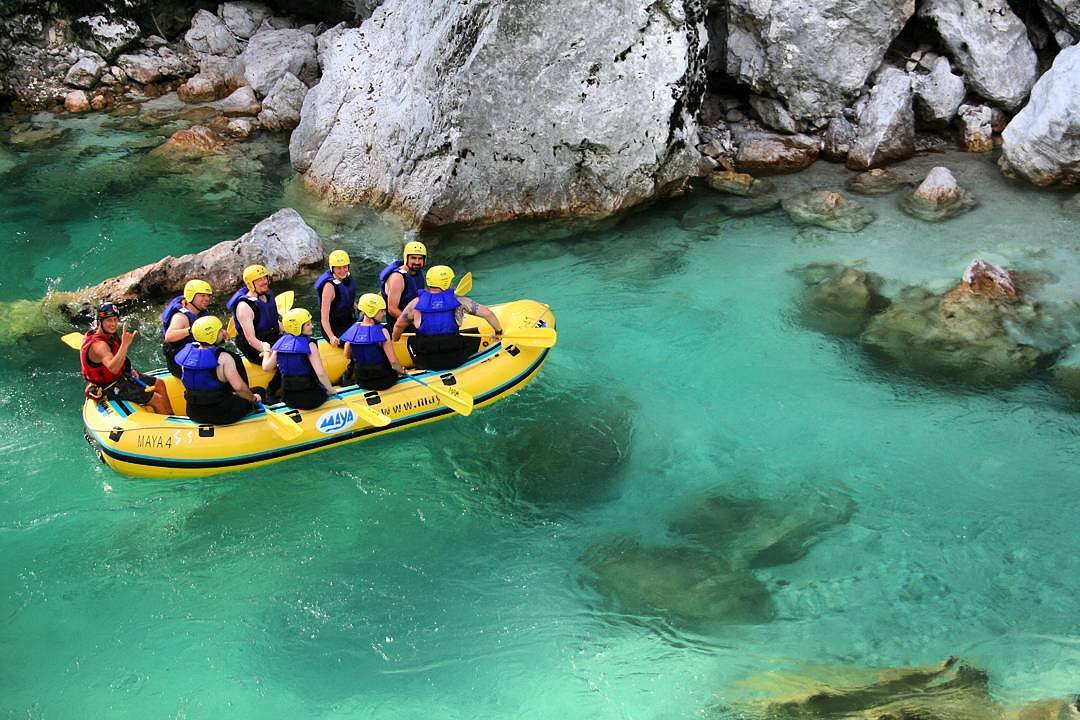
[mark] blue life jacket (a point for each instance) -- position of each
(413, 283)
(176, 306)
(265, 321)
(199, 366)
(365, 344)
(344, 295)
(292, 359)
(438, 312)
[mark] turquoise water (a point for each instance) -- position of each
(445, 572)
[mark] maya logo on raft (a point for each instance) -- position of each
(335, 420)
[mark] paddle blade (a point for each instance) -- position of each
(230, 329)
(532, 337)
(285, 428)
(73, 340)
(464, 285)
(284, 301)
(365, 412)
(457, 400)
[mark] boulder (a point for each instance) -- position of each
(243, 18)
(201, 88)
(877, 182)
(150, 66)
(843, 304)
(271, 54)
(77, 101)
(685, 586)
(741, 184)
(814, 57)
(990, 46)
(827, 209)
(886, 125)
(773, 114)
(281, 106)
(1042, 143)
(108, 37)
(283, 243)
(975, 128)
(188, 144)
(209, 34)
(241, 101)
(86, 71)
(38, 137)
(241, 127)
(607, 123)
(937, 95)
(937, 197)
(764, 152)
(960, 336)
(839, 135)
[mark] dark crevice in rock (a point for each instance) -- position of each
(690, 88)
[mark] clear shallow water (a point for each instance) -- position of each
(422, 575)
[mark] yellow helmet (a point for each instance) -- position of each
(370, 304)
(196, 287)
(339, 258)
(440, 276)
(253, 273)
(414, 247)
(206, 329)
(295, 320)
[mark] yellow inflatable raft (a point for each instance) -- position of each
(135, 441)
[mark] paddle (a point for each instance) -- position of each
(457, 400)
(464, 285)
(363, 411)
(284, 303)
(73, 340)
(285, 428)
(523, 337)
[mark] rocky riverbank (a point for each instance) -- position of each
(458, 113)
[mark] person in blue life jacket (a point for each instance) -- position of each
(335, 296)
(437, 314)
(304, 383)
(215, 392)
(178, 317)
(255, 314)
(373, 364)
(402, 280)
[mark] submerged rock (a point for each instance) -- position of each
(1042, 143)
(961, 335)
(937, 197)
(1066, 372)
(757, 533)
(843, 304)
(877, 182)
(421, 110)
(1071, 205)
(38, 137)
(685, 586)
(828, 209)
(953, 690)
(193, 143)
(736, 206)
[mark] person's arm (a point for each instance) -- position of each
(269, 361)
(320, 371)
(388, 348)
(99, 352)
(347, 352)
(395, 285)
(326, 300)
(245, 318)
(474, 308)
(228, 368)
(179, 326)
(403, 320)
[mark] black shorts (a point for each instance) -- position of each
(127, 389)
(227, 410)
